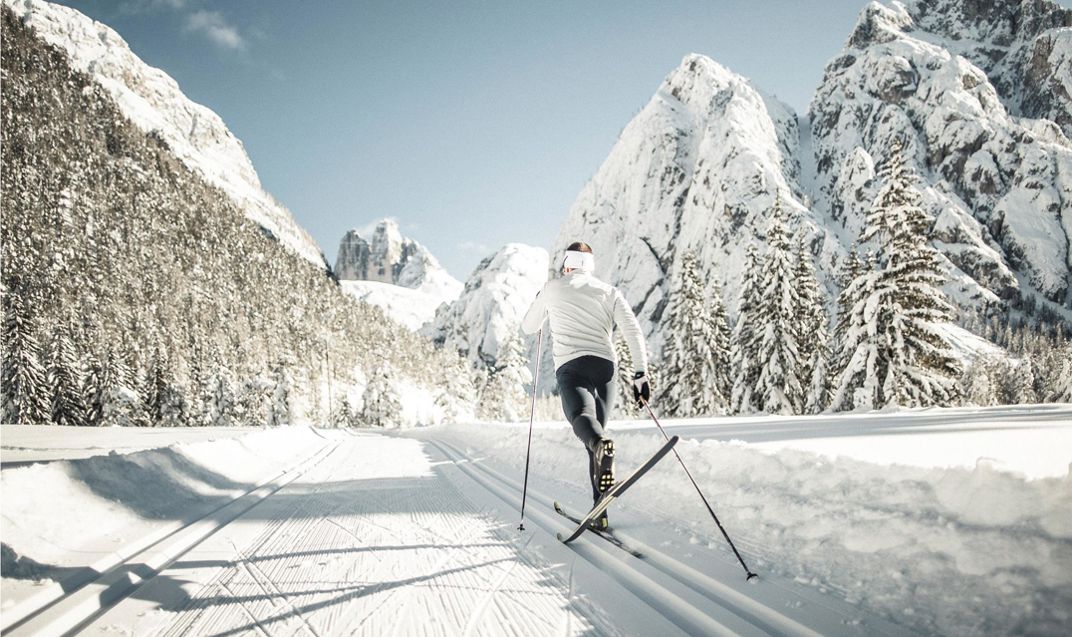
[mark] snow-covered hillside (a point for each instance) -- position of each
(492, 304)
(412, 308)
(153, 101)
(389, 258)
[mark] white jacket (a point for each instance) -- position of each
(582, 312)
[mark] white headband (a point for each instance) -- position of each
(579, 261)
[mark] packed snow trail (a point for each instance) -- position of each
(395, 536)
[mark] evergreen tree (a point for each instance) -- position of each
(93, 391)
(280, 411)
(1061, 391)
(26, 395)
(812, 337)
(979, 390)
(220, 402)
(504, 394)
(1024, 388)
(624, 403)
(850, 270)
(119, 404)
(65, 378)
(697, 349)
(906, 360)
(164, 398)
(744, 353)
(778, 387)
(382, 406)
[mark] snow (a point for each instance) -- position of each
(412, 308)
(940, 521)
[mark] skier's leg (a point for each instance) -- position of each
(579, 405)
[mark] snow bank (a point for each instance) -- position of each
(947, 550)
(65, 515)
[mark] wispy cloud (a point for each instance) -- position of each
(214, 26)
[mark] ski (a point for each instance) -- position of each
(611, 494)
(606, 535)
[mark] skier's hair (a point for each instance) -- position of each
(579, 246)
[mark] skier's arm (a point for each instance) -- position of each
(536, 315)
(627, 322)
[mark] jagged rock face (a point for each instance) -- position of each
(999, 186)
(495, 298)
(699, 169)
(389, 257)
(1023, 46)
(153, 101)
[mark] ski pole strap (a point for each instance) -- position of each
(532, 414)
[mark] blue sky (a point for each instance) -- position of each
(472, 123)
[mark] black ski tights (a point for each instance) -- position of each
(586, 385)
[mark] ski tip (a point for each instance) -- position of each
(558, 507)
(560, 538)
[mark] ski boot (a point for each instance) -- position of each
(604, 464)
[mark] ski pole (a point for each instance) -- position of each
(532, 414)
(702, 497)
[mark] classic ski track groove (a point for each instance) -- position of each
(492, 588)
(767, 619)
(49, 613)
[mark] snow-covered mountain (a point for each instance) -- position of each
(492, 304)
(699, 168)
(959, 84)
(696, 170)
(153, 101)
(395, 273)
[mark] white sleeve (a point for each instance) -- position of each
(537, 313)
(627, 322)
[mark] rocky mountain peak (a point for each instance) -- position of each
(387, 256)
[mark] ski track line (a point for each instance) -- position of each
(454, 552)
(680, 609)
(714, 589)
(762, 616)
(55, 612)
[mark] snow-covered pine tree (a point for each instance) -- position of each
(1061, 391)
(696, 351)
(812, 335)
(623, 403)
(118, 402)
(65, 378)
(721, 364)
(382, 406)
(978, 388)
(503, 397)
(220, 403)
(1024, 388)
(899, 355)
(851, 268)
(93, 391)
(744, 347)
(25, 388)
(280, 411)
(778, 388)
(164, 398)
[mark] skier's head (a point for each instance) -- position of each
(579, 257)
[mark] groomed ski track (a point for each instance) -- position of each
(408, 535)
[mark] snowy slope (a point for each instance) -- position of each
(492, 304)
(154, 102)
(412, 308)
(851, 528)
(389, 257)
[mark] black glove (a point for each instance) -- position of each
(641, 389)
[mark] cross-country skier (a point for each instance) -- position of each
(582, 311)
